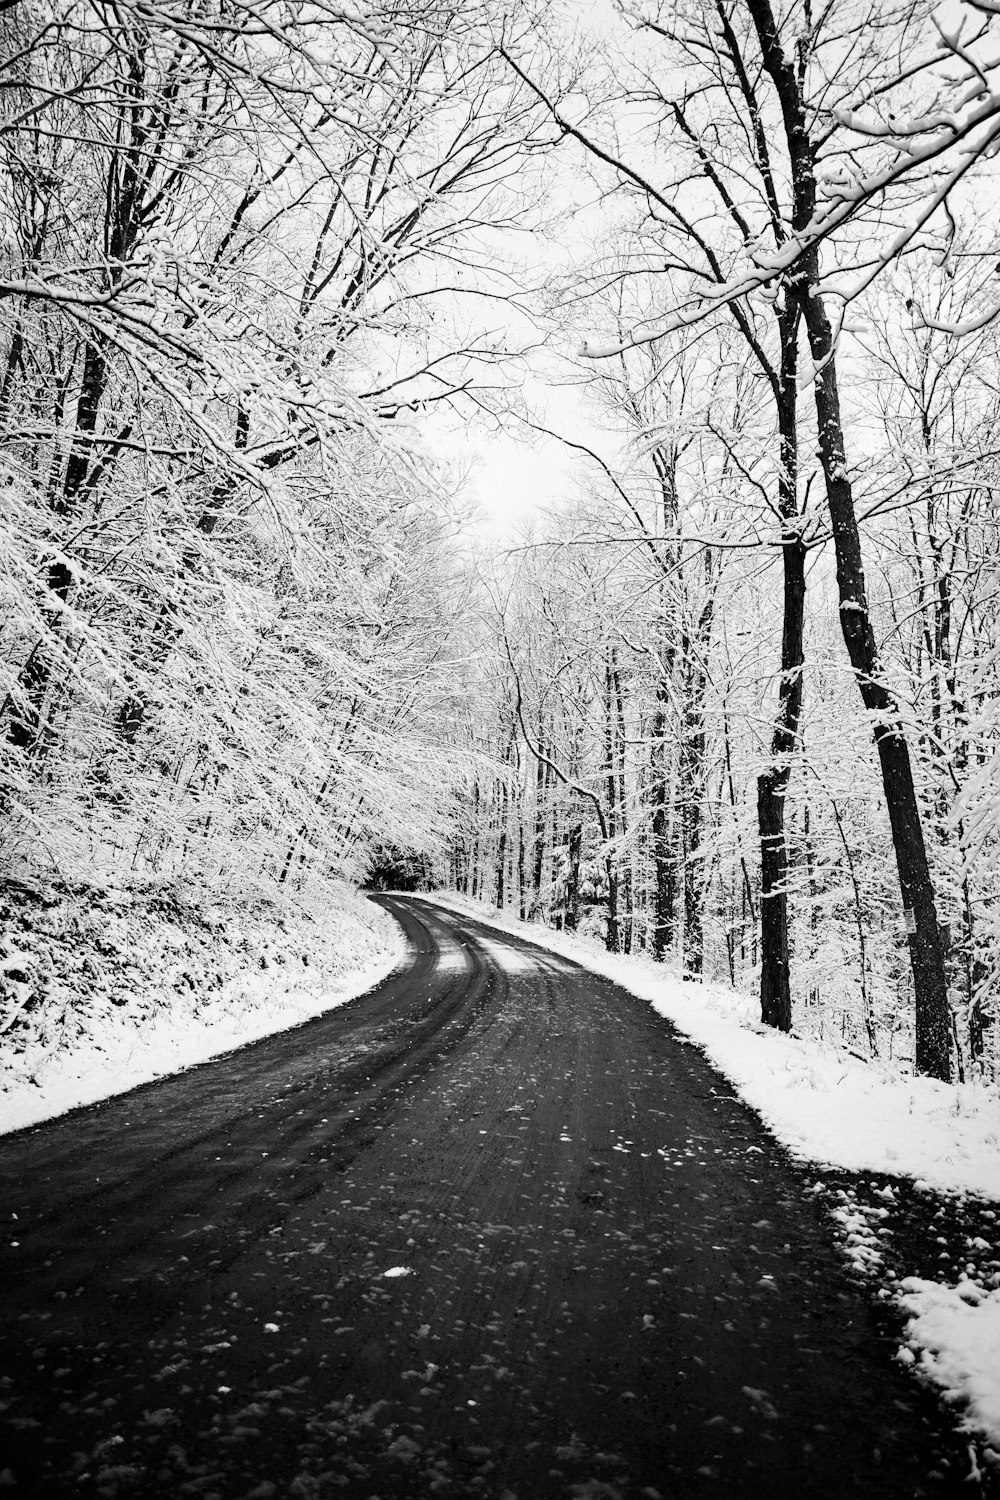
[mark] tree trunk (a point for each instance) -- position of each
(663, 840)
(474, 891)
(522, 893)
(25, 727)
(919, 910)
(692, 784)
(612, 936)
(541, 789)
(501, 897)
(664, 862)
(573, 848)
(619, 736)
(130, 170)
(772, 784)
(504, 799)
(691, 817)
(932, 1021)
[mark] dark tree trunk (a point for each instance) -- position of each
(775, 987)
(130, 171)
(772, 784)
(664, 861)
(522, 894)
(932, 1021)
(573, 849)
(503, 798)
(25, 725)
(13, 364)
(501, 897)
(541, 788)
(691, 819)
(663, 838)
(694, 936)
(474, 882)
(613, 935)
(919, 909)
(692, 784)
(626, 878)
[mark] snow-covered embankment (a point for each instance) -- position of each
(102, 989)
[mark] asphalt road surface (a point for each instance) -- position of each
(491, 1230)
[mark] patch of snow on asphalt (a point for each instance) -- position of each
(861, 1242)
(513, 960)
(954, 1332)
(452, 959)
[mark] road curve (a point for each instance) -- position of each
(491, 1230)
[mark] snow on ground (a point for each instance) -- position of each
(104, 990)
(831, 1108)
(953, 1336)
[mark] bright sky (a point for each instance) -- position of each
(512, 481)
(517, 474)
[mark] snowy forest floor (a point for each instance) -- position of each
(923, 1228)
(103, 988)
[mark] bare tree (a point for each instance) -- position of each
(782, 76)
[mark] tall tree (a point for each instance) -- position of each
(782, 76)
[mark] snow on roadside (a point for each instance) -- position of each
(829, 1107)
(125, 993)
(953, 1337)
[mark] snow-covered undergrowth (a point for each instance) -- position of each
(829, 1107)
(103, 988)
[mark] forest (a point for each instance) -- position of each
(273, 278)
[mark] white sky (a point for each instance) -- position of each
(511, 482)
(516, 475)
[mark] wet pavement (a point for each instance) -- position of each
(491, 1230)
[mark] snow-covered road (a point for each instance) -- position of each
(490, 1230)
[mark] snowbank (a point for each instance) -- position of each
(102, 990)
(953, 1336)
